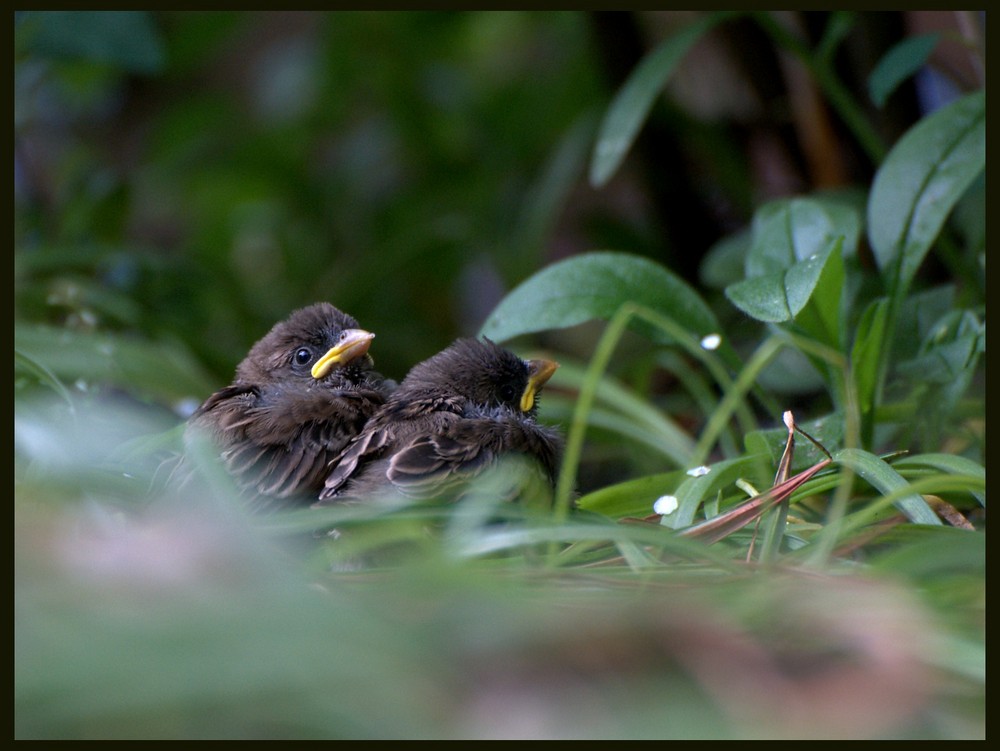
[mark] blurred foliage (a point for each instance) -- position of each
(394, 164)
(708, 218)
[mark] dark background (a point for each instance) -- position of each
(192, 177)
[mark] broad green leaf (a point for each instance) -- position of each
(632, 497)
(898, 64)
(762, 297)
(780, 296)
(594, 286)
(866, 353)
(922, 178)
(634, 100)
(792, 241)
(789, 231)
(885, 479)
(128, 39)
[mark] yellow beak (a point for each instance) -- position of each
(539, 371)
(353, 343)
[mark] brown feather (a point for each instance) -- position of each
(452, 417)
(278, 427)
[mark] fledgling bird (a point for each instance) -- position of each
(298, 398)
(454, 416)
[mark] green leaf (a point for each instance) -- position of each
(155, 369)
(632, 497)
(635, 99)
(619, 409)
(594, 286)
(40, 373)
(722, 474)
(724, 262)
(788, 231)
(865, 354)
(128, 39)
(932, 552)
(763, 298)
(918, 315)
(780, 296)
(789, 252)
(545, 200)
(948, 353)
(949, 463)
(822, 317)
(969, 217)
(791, 373)
(922, 178)
(828, 430)
(885, 479)
(837, 28)
(898, 64)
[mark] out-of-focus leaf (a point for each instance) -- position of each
(154, 369)
(40, 373)
(545, 200)
(918, 315)
(791, 373)
(922, 552)
(970, 214)
(724, 262)
(949, 350)
(922, 178)
(634, 100)
(837, 28)
(636, 418)
(898, 64)
(128, 39)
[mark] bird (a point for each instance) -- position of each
(297, 399)
(453, 417)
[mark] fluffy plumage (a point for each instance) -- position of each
(454, 415)
(300, 395)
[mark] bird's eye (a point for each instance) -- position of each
(507, 392)
(303, 356)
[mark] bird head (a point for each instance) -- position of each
(311, 343)
(482, 373)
